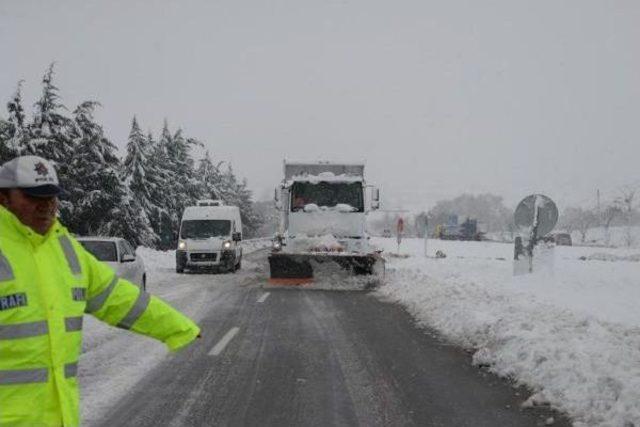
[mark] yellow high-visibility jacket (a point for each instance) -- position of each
(47, 283)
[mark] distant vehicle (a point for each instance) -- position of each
(120, 255)
(468, 230)
(562, 239)
(209, 238)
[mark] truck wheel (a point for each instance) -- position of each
(179, 269)
(239, 264)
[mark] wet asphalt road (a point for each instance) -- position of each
(319, 358)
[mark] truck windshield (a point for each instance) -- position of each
(204, 228)
(327, 195)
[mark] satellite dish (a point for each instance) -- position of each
(547, 213)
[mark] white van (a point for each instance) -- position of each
(210, 236)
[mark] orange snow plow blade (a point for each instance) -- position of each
(291, 269)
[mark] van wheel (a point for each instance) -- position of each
(144, 282)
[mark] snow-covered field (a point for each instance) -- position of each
(616, 237)
(572, 335)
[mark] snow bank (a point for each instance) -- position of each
(611, 257)
(572, 336)
(621, 237)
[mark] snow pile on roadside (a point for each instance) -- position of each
(621, 236)
(573, 337)
(611, 257)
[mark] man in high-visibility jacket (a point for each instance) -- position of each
(47, 282)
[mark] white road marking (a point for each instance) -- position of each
(224, 341)
(264, 297)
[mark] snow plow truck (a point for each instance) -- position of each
(323, 208)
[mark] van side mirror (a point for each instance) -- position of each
(236, 237)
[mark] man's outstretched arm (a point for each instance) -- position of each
(120, 303)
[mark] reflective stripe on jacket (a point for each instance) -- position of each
(47, 283)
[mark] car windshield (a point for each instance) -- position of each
(205, 228)
(103, 250)
(327, 194)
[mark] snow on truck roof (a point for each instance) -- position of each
(326, 170)
(324, 177)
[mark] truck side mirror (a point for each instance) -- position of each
(276, 199)
(375, 199)
(236, 237)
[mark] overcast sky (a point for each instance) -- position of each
(438, 97)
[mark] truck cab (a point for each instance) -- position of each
(210, 237)
(323, 209)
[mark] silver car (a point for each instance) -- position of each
(120, 255)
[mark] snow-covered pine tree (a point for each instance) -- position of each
(6, 132)
(92, 186)
(49, 132)
(141, 179)
(97, 200)
(237, 194)
(13, 133)
(132, 223)
(162, 196)
(135, 165)
(182, 188)
(209, 176)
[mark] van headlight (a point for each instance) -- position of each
(182, 245)
(227, 245)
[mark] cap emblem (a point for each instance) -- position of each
(41, 169)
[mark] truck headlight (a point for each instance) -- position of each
(182, 245)
(226, 245)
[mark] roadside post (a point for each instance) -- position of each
(399, 230)
(535, 216)
(426, 237)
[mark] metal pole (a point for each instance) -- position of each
(426, 236)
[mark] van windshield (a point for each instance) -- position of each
(205, 228)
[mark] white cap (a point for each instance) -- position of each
(34, 175)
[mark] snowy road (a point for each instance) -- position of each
(291, 357)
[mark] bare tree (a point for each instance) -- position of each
(610, 213)
(580, 220)
(626, 202)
